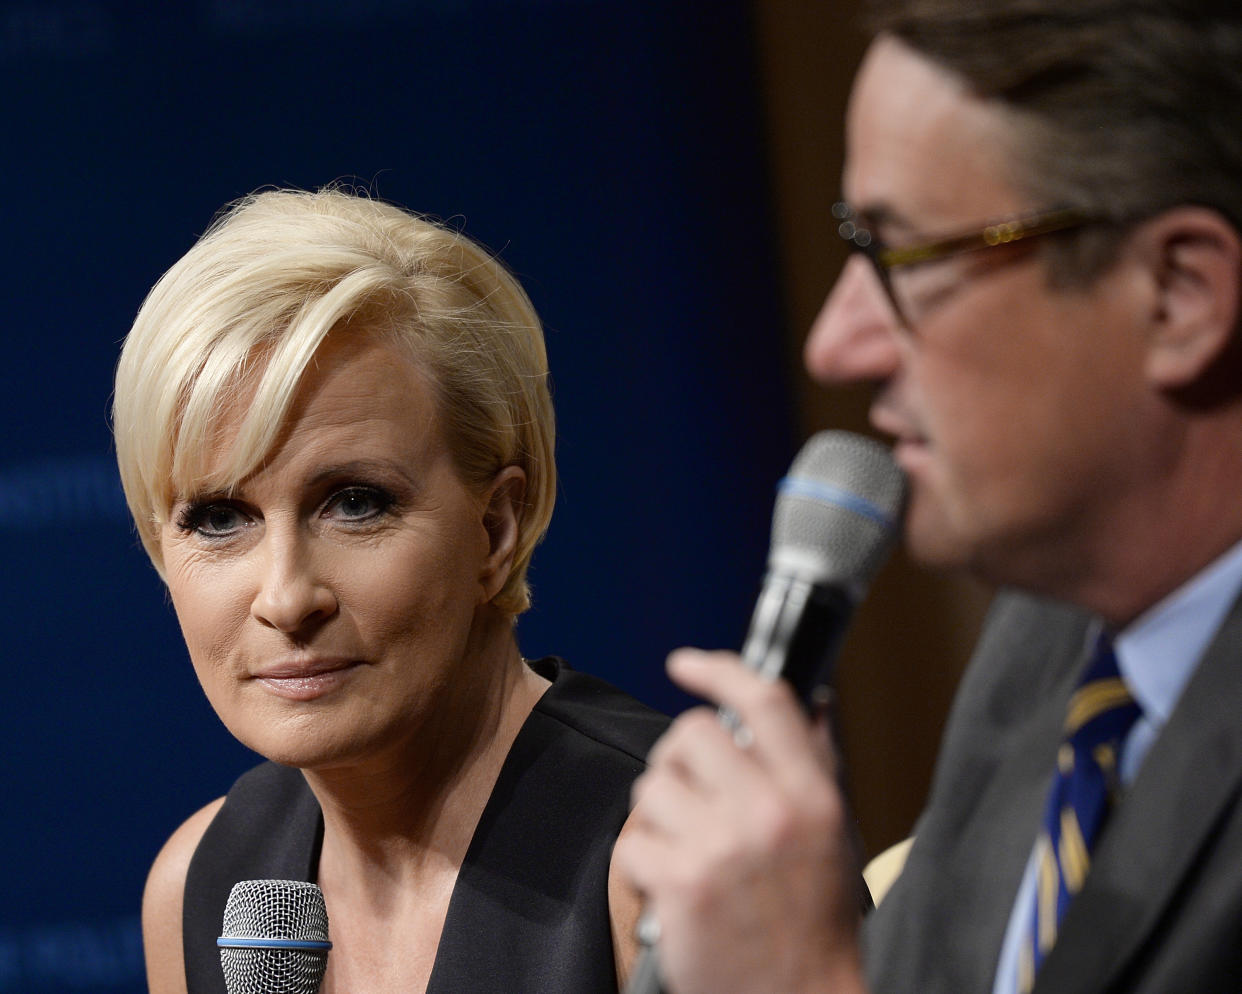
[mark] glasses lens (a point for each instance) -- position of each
(915, 290)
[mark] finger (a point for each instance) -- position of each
(644, 858)
(665, 804)
(783, 741)
(822, 738)
(702, 751)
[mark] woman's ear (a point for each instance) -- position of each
(1196, 260)
(502, 519)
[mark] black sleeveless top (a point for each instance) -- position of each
(529, 911)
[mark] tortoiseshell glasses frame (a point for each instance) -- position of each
(884, 259)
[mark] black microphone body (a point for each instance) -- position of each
(836, 519)
(796, 633)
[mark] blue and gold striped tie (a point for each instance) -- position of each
(1101, 713)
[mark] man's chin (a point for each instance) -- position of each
(931, 541)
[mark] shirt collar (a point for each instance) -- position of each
(1159, 650)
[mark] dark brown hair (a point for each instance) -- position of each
(1124, 107)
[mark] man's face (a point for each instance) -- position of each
(1016, 407)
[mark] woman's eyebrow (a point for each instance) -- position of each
(360, 467)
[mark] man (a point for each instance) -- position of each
(1065, 392)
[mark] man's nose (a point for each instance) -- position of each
(855, 336)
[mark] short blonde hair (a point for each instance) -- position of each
(248, 306)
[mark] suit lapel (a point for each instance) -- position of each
(942, 924)
(1190, 775)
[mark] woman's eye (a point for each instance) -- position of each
(213, 520)
(358, 504)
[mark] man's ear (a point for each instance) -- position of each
(1196, 260)
(502, 518)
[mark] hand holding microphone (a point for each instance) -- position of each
(741, 850)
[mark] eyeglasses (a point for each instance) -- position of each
(903, 295)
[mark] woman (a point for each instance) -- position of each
(335, 435)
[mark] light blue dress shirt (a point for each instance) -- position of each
(1156, 654)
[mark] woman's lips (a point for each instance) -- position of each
(306, 681)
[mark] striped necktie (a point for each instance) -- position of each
(1101, 713)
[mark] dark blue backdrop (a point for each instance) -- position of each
(611, 150)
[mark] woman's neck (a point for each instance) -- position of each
(415, 805)
(397, 826)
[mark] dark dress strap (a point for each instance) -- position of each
(269, 828)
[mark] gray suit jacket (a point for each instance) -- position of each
(1161, 909)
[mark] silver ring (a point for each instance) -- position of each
(647, 931)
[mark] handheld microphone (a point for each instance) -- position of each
(837, 516)
(275, 938)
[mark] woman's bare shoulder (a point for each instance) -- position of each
(162, 899)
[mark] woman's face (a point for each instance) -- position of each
(331, 602)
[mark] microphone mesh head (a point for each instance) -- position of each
(274, 909)
(838, 511)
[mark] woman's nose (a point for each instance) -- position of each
(292, 596)
(855, 336)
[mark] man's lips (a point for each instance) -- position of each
(899, 428)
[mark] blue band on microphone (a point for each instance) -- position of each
(825, 493)
(229, 942)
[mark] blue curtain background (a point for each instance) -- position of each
(610, 150)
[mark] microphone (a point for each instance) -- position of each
(275, 938)
(837, 516)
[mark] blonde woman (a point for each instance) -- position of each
(335, 435)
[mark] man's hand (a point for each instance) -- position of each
(739, 843)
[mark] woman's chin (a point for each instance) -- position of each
(318, 742)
